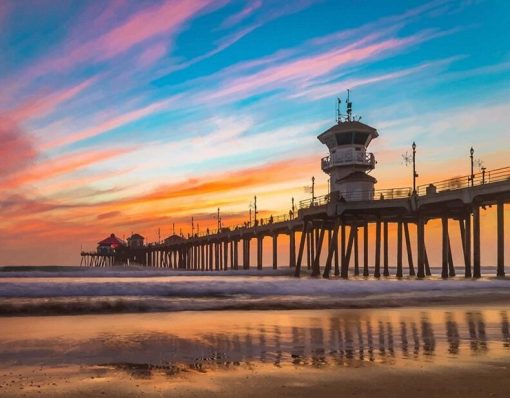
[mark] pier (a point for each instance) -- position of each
(329, 235)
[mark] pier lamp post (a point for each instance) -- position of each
(255, 210)
(313, 189)
(293, 207)
(192, 226)
(415, 174)
(472, 178)
(219, 220)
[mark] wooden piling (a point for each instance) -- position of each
(476, 242)
(304, 234)
(409, 250)
(386, 271)
(356, 251)
(345, 267)
(444, 264)
(333, 246)
(292, 249)
(500, 239)
(377, 268)
(421, 247)
(260, 240)
(399, 249)
(316, 261)
(275, 251)
(365, 250)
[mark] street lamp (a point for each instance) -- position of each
(415, 174)
(472, 178)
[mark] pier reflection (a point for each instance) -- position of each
(300, 339)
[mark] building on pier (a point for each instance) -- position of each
(349, 162)
(110, 245)
(135, 241)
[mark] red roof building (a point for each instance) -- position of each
(109, 244)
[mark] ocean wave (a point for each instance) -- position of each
(237, 293)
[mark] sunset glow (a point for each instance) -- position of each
(126, 117)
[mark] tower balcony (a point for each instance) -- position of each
(350, 158)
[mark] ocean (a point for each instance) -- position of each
(138, 332)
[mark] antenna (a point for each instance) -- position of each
(349, 105)
(338, 110)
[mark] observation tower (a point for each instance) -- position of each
(349, 163)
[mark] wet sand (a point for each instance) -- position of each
(427, 380)
(423, 352)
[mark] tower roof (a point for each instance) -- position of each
(348, 127)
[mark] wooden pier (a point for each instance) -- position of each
(328, 232)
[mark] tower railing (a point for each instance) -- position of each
(356, 196)
(354, 157)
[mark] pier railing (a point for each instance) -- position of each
(451, 184)
(374, 194)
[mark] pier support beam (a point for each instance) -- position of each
(275, 251)
(409, 250)
(501, 239)
(292, 249)
(343, 245)
(421, 247)
(225, 255)
(316, 271)
(476, 242)
(356, 252)
(246, 254)
(386, 271)
(304, 234)
(345, 268)
(365, 250)
(260, 240)
(444, 263)
(236, 254)
(377, 270)
(399, 249)
(332, 249)
(451, 266)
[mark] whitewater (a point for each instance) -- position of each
(81, 291)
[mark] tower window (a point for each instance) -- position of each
(360, 138)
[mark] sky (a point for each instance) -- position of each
(133, 116)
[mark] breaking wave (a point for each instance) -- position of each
(105, 291)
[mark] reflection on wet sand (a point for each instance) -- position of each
(300, 338)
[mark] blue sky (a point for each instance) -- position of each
(109, 108)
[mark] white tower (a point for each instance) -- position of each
(349, 163)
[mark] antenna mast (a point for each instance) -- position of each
(338, 110)
(349, 106)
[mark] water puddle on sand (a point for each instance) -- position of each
(47, 352)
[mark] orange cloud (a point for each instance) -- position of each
(62, 165)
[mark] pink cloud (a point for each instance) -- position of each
(68, 163)
(42, 104)
(109, 124)
(243, 14)
(17, 150)
(142, 26)
(308, 68)
(152, 54)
